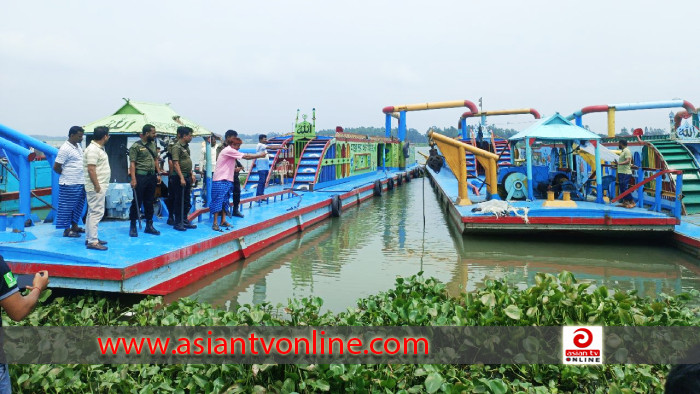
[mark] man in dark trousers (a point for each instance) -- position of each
(236, 180)
(172, 178)
(145, 175)
(182, 163)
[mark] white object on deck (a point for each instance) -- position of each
(501, 208)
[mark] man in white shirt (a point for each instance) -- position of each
(97, 174)
(71, 184)
(262, 164)
(212, 141)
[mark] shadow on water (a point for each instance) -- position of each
(362, 252)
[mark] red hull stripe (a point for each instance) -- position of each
(178, 282)
(44, 191)
(120, 274)
(68, 271)
(568, 220)
(687, 240)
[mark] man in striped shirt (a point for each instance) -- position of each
(71, 184)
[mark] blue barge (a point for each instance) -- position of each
(311, 178)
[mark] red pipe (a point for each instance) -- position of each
(594, 108)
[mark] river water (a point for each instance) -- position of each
(362, 252)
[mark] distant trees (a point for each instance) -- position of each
(415, 136)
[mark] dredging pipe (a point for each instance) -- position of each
(462, 124)
(612, 108)
(455, 154)
(402, 109)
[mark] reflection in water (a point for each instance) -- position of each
(362, 252)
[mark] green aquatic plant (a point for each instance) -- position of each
(413, 301)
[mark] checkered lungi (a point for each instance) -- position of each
(220, 190)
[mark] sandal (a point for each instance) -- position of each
(215, 227)
(225, 224)
(79, 230)
(71, 234)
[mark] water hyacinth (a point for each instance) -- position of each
(413, 301)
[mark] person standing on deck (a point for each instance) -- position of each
(71, 184)
(145, 175)
(97, 174)
(182, 163)
(213, 145)
(225, 170)
(17, 306)
(262, 164)
(624, 173)
(172, 178)
(236, 180)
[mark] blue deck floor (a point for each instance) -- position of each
(51, 248)
(585, 209)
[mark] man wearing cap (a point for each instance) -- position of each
(145, 175)
(184, 179)
(71, 184)
(97, 174)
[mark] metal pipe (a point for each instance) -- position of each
(387, 126)
(14, 148)
(483, 156)
(435, 105)
(598, 173)
(402, 126)
(611, 108)
(50, 152)
(528, 157)
(15, 136)
(611, 122)
(532, 111)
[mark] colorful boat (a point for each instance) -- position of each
(680, 150)
(556, 179)
(330, 174)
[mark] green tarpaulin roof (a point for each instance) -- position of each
(132, 116)
(555, 128)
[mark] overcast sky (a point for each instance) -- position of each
(250, 65)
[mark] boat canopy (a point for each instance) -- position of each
(555, 128)
(132, 116)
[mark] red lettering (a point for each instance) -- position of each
(351, 345)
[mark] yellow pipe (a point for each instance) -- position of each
(455, 143)
(611, 122)
(435, 105)
(462, 184)
(504, 112)
(486, 158)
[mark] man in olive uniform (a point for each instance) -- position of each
(172, 178)
(145, 175)
(184, 179)
(236, 180)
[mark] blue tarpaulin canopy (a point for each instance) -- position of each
(555, 128)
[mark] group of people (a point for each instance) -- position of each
(85, 175)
